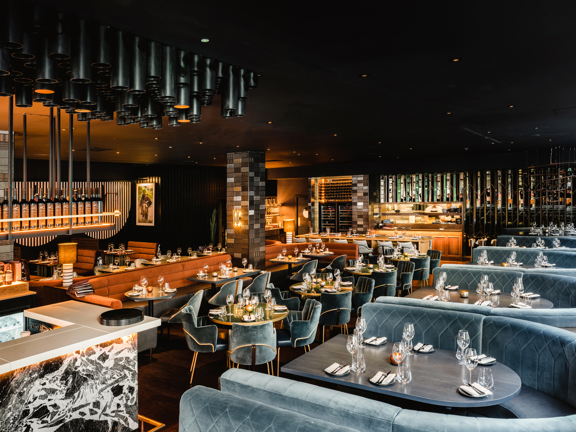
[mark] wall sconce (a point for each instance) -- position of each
(236, 218)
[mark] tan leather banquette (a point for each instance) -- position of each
(142, 250)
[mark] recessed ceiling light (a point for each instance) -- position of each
(332, 159)
(269, 122)
(410, 148)
(188, 157)
(488, 132)
(335, 134)
(117, 152)
(64, 129)
(456, 59)
(510, 106)
(156, 138)
(214, 158)
(379, 142)
(155, 155)
(364, 75)
(200, 142)
(536, 127)
(448, 113)
(205, 40)
(298, 154)
(169, 146)
(316, 154)
(268, 149)
(550, 139)
(237, 146)
(379, 156)
(511, 142)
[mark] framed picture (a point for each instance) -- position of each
(145, 204)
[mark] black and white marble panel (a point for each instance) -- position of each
(91, 390)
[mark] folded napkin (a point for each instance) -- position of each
(350, 268)
(346, 283)
(215, 311)
(423, 348)
(280, 258)
(389, 265)
(328, 290)
(383, 378)
(280, 308)
(530, 295)
(430, 297)
(520, 306)
(475, 390)
(451, 287)
(376, 340)
(483, 359)
(495, 292)
(337, 369)
(297, 287)
(250, 317)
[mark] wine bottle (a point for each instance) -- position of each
(81, 211)
(50, 210)
(25, 211)
(74, 210)
(8, 275)
(88, 207)
(57, 209)
(65, 209)
(34, 210)
(5, 210)
(15, 210)
(99, 205)
(42, 209)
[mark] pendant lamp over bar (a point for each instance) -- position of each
(4, 62)
(119, 78)
(168, 82)
(80, 71)
(12, 25)
(70, 92)
(183, 100)
(154, 64)
(208, 82)
(194, 113)
(242, 84)
(60, 41)
(173, 121)
(29, 47)
(183, 116)
(44, 88)
(138, 71)
(6, 86)
(46, 70)
(182, 68)
(229, 102)
(23, 96)
(103, 54)
(219, 76)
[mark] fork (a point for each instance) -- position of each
(383, 377)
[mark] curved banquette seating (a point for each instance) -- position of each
(86, 261)
(348, 249)
(569, 242)
(561, 258)
(142, 250)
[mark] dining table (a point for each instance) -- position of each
(228, 320)
(367, 270)
(110, 255)
(150, 297)
(317, 290)
(214, 281)
(505, 300)
(44, 268)
(436, 376)
(290, 260)
(317, 255)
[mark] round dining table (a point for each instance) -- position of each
(367, 270)
(316, 291)
(150, 297)
(229, 320)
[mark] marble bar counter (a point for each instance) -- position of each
(80, 376)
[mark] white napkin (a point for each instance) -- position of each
(328, 290)
(495, 292)
(434, 298)
(297, 287)
(520, 306)
(346, 283)
(280, 308)
(451, 287)
(386, 381)
(484, 359)
(530, 295)
(250, 317)
(475, 390)
(215, 311)
(350, 268)
(376, 340)
(330, 369)
(420, 347)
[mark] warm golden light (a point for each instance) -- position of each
(289, 225)
(237, 223)
(43, 91)
(67, 253)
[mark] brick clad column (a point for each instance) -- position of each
(6, 246)
(360, 207)
(246, 191)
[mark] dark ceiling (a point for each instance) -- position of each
(513, 88)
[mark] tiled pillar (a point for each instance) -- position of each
(360, 208)
(246, 192)
(6, 246)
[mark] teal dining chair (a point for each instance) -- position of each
(336, 311)
(405, 273)
(252, 345)
(362, 294)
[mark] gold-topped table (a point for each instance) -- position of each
(290, 260)
(316, 290)
(229, 320)
(423, 243)
(367, 271)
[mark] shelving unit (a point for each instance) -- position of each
(273, 215)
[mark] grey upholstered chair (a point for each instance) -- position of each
(435, 256)
(233, 287)
(421, 269)
(260, 283)
(252, 345)
(200, 336)
(299, 240)
(306, 268)
(363, 247)
(98, 268)
(405, 273)
(315, 240)
(336, 311)
(385, 247)
(384, 284)
(299, 328)
(337, 263)
(292, 303)
(363, 292)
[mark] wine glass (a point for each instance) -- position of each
(254, 299)
(230, 302)
(272, 303)
(295, 252)
(116, 261)
(486, 379)
(408, 334)
(179, 252)
(259, 313)
(329, 278)
(158, 253)
(244, 262)
(361, 328)
(246, 294)
(470, 361)
(161, 282)
(143, 282)
(284, 252)
(352, 347)
(398, 352)
(169, 253)
(463, 341)
(127, 261)
(267, 294)
(189, 251)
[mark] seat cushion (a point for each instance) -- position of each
(532, 403)
(283, 338)
(221, 344)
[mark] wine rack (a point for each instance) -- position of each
(335, 190)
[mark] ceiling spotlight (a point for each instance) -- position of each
(364, 75)
(199, 142)
(511, 142)
(269, 122)
(155, 155)
(335, 134)
(536, 127)
(117, 152)
(510, 106)
(169, 146)
(550, 139)
(410, 148)
(64, 129)
(205, 40)
(488, 132)
(188, 157)
(268, 149)
(214, 158)
(456, 59)
(156, 138)
(448, 113)
(237, 146)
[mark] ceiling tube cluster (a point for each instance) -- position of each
(94, 71)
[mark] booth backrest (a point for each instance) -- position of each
(467, 277)
(142, 250)
(559, 288)
(348, 249)
(569, 242)
(86, 261)
(527, 256)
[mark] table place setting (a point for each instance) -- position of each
(484, 360)
(383, 378)
(133, 293)
(520, 305)
(336, 369)
(474, 390)
(376, 341)
(483, 303)
(423, 348)
(248, 317)
(168, 289)
(530, 295)
(431, 297)
(346, 283)
(451, 287)
(328, 290)
(280, 308)
(217, 311)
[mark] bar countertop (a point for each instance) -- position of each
(79, 329)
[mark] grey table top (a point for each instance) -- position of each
(473, 296)
(435, 377)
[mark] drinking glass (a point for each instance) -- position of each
(329, 278)
(485, 378)
(219, 247)
(161, 282)
(179, 252)
(398, 352)
(404, 374)
(495, 300)
(246, 294)
(295, 252)
(158, 253)
(143, 282)
(360, 360)
(189, 251)
(254, 299)
(241, 302)
(284, 252)
(360, 329)
(408, 334)
(259, 313)
(116, 261)
(463, 341)
(244, 262)
(127, 261)
(352, 347)
(267, 294)
(272, 303)
(470, 361)
(169, 253)
(137, 288)
(230, 302)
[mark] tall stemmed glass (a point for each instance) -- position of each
(244, 262)
(229, 302)
(361, 328)
(463, 341)
(408, 334)
(470, 361)
(179, 252)
(143, 282)
(398, 352)
(189, 250)
(295, 252)
(352, 347)
(161, 282)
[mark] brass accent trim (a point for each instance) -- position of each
(250, 345)
(338, 309)
(157, 425)
(296, 340)
(199, 343)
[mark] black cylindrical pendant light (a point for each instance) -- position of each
(44, 88)
(144, 124)
(220, 70)
(183, 99)
(208, 81)
(138, 71)
(21, 74)
(120, 74)
(80, 71)
(156, 122)
(12, 25)
(82, 116)
(130, 100)
(230, 92)
(29, 47)
(120, 100)
(60, 41)
(71, 92)
(102, 79)
(83, 108)
(183, 116)
(100, 107)
(150, 108)
(194, 113)
(23, 96)
(46, 68)
(252, 80)
(4, 62)
(170, 111)
(173, 121)
(241, 111)
(103, 51)
(242, 85)
(120, 120)
(168, 83)
(154, 61)
(88, 94)
(182, 68)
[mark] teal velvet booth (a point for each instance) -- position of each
(502, 240)
(562, 258)
(467, 277)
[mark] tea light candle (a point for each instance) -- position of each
(215, 274)
(322, 283)
(235, 269)
(464, 294)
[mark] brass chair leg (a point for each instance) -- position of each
(272, 367)
(323, 333)
(268, 368)
(193, 366)
(278, 363)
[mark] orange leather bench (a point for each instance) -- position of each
(142, 250)
(86, 262)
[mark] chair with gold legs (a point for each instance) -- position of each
(201, 337)
(252, 345)
(336, 311)
(299, 328)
